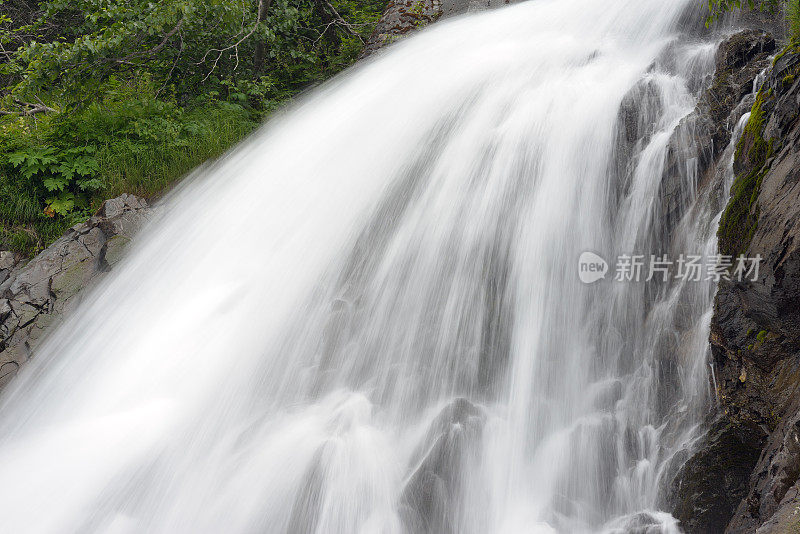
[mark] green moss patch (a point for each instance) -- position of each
(739, 221)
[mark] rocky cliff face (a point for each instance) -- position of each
(711, 484)
(745, 475)
(755, 333)
(34, 296)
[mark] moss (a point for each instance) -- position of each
(788, 81)
(739, 221)
(790, 49)
(762, 336)
(752, 146)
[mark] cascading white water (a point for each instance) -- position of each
(368, 317)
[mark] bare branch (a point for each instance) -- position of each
(29, 109)
(339, 19)
(262, 8)
(156, 49)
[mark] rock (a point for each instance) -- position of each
(9, 261)
(771, 22)
(755, 329)
(705, 133)
(641, 523)
(402, 17)
(711, 484)
(35, 295)
(773, 483)
(431, 496)
(786, 519)
(739, 60)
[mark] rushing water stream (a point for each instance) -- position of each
(368, 317)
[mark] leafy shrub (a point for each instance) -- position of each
(68, 175)
(56, 172)
(98, 98)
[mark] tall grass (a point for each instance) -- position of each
(142, 145)
(148, 168)
(793, 19)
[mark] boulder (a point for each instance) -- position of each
(711, 484)
(33, 297)
(431, 498)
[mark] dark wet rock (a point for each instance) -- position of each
(704, 134)
(710, 485)
(756, 326)
(774, 484)
(739, 60)
(755, 330)
(430, 500)
(771, 22)
(403, 17)
(34, 296)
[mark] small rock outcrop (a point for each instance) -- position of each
(402, 17)
(739, 60)
(34, 296)
(452, 443)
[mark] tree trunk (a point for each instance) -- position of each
(261, 45)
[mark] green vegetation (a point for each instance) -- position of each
(793, 16)
(740, 219)
(762, 336)
(717, 8)
(100, 97)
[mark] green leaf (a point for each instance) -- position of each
(16, 158)
(55, 184)
(91, 185)
(63, 204)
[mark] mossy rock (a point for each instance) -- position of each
(739, 221)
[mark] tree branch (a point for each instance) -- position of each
(325, 4)
(29, 109)
(155, 50)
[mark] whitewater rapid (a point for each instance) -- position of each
(368, 317)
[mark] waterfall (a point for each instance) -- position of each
(368, 317)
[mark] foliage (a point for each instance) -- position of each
(100, 97)
(793, 17)
(718, 8)
(65, 174)
(181, 45)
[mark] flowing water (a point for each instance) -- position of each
(368, 317)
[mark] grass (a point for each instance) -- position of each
(147, 169)
(140, 144)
